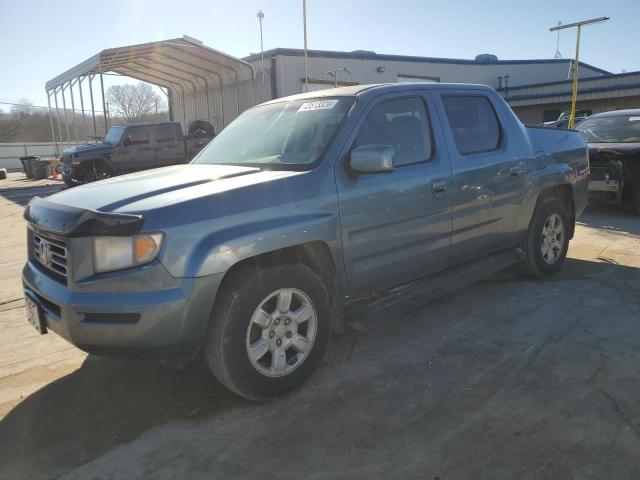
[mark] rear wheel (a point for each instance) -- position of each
(547, 240)
(269, 330)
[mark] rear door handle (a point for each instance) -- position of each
(439, 186)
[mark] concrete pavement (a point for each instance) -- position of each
(509, 378)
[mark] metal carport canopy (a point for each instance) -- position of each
(179, 64)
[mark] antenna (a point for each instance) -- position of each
(558, 54)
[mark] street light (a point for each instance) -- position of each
(334, 74)
(574, 93)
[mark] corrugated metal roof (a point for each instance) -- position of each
(180, 62)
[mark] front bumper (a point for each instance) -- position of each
(118, 317)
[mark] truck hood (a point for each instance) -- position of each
(150, 189)
(89, 149)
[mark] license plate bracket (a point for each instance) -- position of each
(35, 316)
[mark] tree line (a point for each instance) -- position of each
(128, 103)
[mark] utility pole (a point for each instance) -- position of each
(306, 59)
(574, 93)
(260, 18)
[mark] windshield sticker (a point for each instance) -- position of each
(318, 105)
(634, 119)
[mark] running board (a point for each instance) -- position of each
(396, 302)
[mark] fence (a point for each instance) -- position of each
(10, 153)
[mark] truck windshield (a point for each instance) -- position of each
(114, 135)
(615, 129)
(278, 135)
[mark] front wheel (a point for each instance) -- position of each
(269, 330)
(547, 240)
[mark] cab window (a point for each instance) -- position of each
(473, 123)
(402, 124)
(137, 136)
(164, 133)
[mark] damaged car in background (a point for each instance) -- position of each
(614, 155)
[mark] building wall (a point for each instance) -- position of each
(290, 72)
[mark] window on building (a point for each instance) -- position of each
(473, 123)
(403, 124)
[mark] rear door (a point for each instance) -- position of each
(137, 150)
(396, 226)
(168, 146)
(488, 175)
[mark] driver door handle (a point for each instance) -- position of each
(439, 186)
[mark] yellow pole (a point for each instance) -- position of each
(574, 94)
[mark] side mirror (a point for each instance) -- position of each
(372, 159)
(127, 141)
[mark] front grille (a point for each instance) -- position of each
(51, 253)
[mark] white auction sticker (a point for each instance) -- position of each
(318, 105)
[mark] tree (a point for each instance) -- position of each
(134, 102)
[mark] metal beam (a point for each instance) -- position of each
(104, 105)
(93, 111)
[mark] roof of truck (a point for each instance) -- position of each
(378, 88)
(618, 113)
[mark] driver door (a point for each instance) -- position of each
(396, 226)
(137, 150)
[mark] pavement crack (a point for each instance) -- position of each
(635, 428)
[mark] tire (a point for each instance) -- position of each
(201, 129)
(549, 213)
(233, 330)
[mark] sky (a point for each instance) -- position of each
(40, 39)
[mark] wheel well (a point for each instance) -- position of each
(315, 255)
(564, 193)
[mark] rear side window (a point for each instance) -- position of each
(473, 123)
(138, 136)
(164, 133)
(403, 124)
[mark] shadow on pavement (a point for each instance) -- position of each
(22, 195)
(611, 218)
(104, 403)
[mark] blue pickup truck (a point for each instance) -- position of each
(305, 212)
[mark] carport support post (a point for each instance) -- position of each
(81, 100)
(55, 99)
(104, 104)
(66, 122)
(93, 111)
(53, 134)
(73, 113)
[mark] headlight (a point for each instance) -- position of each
(116, 253)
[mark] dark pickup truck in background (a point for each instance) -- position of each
(130, 148)
(614, 154)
